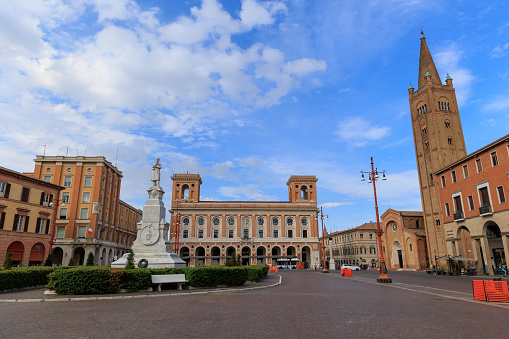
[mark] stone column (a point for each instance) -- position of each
(487, 255)
(505, 243)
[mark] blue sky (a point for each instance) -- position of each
(246, 93)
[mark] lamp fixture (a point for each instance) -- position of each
(384, 178)
(362, 178)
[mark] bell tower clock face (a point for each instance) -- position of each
(394, 226)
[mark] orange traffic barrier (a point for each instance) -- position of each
(348, 272)
(488, 290)
(479, 292)
(342, 274)
(273, 269)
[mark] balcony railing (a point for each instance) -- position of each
(485, 209)
(458, 216)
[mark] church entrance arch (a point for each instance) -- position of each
(397, 254)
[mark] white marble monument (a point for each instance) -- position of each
(151, 247)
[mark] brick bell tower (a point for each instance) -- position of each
(438, 139)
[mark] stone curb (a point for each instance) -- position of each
(215, 291)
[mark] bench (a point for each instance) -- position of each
(167, 279)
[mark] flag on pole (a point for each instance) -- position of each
(89, 229)
(102, 229)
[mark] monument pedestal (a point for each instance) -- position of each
(151, 247)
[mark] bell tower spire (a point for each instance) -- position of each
(426, 65)
(438, 140)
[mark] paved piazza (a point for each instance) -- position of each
(307, 303)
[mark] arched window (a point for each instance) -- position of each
(185, 191)
(289, 221)
(185, 221)
(275, 221)
(304, 193)
(216, 221)
(201, 221)
(231, 221)
(261, 221)
(304, 221)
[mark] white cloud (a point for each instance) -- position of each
(245, 192)
(250, 162)
(358, 132)
(500, 51)
(448, 61)
(334, 204)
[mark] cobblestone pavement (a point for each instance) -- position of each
(307, 303)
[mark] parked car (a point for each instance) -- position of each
(352, 267)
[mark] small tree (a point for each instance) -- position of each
(49, 261)
(238, 262)
(71, 261)
(130, 261)
(90, 259)
(228, 261)
(8, 261)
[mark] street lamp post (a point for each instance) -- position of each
(332, 263)
(177, 227)
(373, 177)
(324, 268)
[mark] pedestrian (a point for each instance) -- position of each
(315, 266)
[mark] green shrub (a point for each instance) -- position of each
(8, 261)
(130, 261)
(25, 277)
(49, 261)
(83, 280)
(135, 280)
(257, 272)
(71, 261)
(90, 259)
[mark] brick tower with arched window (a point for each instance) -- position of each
(438, 139)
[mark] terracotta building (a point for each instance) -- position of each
(26, 217)
(438, 139)
(90, 216)
(404, 240)
(260, 232)
(473, 194)
(355, 246)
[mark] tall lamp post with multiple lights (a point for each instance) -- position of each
(324, 267)
(373, 177)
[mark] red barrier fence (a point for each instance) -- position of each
(488, 290)
(346, 272)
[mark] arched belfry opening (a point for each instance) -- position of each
(185, 192)
(303, 193)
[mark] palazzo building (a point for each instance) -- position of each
(438, 139)
(90, 216)
(404, 240)
(261, 232)
(27, 217)
(355, 246)
(474, 191)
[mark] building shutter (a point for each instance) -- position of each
(7, 190)
(26, 223)
(47, 226)
(16, 217)
(38, 225)
(42, 198)
(2, 220)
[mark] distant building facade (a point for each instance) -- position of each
(404, 240)
(355, 246)
(473, 192)
(27, 217)
(259, 232)
(90, 216)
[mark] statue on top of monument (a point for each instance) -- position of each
(156, 173)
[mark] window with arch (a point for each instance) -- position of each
(201, 221)
(275, 221)
(410, 247)
(216, 221)
(304, 193)
(425, 130)
(261, 221)
(444, 106)
(422, 109)
(289, 221)
(185, 221)
(185, 191)
(304, 221)
(426, 146)
(231, 221)
(447, 124)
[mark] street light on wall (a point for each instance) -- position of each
(373, 177)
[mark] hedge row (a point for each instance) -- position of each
(100, 280)
(19, 278)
